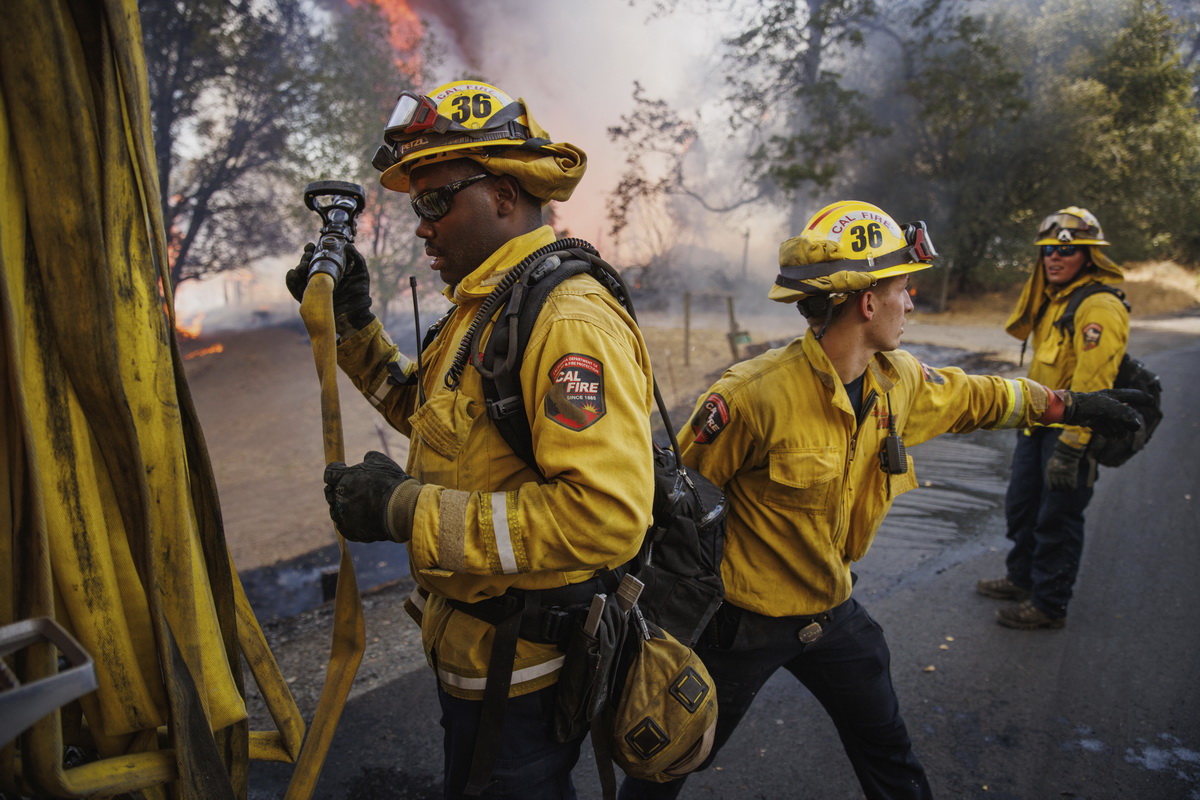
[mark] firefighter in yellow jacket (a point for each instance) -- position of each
(494, 547)
(808, 441)
(1052, 475)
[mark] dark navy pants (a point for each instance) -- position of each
(530, 767)
(847, 670)
(1045, 526)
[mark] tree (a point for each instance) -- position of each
(362, 75)
(1154, 168)
(229, 79)
(790, 109)
(956, 154)
(252, 100)
(980, 123)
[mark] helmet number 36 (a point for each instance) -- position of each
(471, 105)
(866, 235)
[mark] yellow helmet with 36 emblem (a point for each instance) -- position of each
(846, 247)
(462, 115)
(1071, 225)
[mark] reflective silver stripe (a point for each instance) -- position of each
(1016, 403)
(519, 676)
(504, 545)
(385, 387)
(376, 398)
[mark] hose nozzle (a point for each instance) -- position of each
(338, 203)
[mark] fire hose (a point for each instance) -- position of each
(338, 203)
(109, 518)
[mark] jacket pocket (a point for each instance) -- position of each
(802, 478)
(1048, 351)
(445, 422)
(904, 482)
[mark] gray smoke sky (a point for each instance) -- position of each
(575, 63)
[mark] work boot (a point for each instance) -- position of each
(1001, 589)
(1028, 617)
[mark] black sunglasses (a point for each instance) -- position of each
(1064, 250)
(435, 204)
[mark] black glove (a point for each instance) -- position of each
(1062, 469)
(1108, 412)
(373, 501)
(351, 295)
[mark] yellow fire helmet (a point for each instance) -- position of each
(1071, 225)
(476, 120)
(846, 247)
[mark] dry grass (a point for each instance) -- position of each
(1152, 288)
(1160, 287)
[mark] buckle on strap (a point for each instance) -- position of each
(551, 626)
(814, 629)
(505, 407)
(810, 632)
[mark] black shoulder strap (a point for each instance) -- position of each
(1066, 322)
(504, 353)
(500, 364)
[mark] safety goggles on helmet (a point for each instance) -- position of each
(413, 114)
(920, 245)
(1071, 225)
(436, 203)
(1064, 250)
(416, 113)
(460, 115)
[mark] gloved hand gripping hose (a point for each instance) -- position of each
(338, 203)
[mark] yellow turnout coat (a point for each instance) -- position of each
(484, 520)
(802, 474)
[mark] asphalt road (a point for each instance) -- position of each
(1106, 708)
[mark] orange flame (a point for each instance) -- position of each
(205, 351)
(406, 31)
(189, 330)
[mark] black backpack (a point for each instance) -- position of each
(1131, 374)
(680, 558)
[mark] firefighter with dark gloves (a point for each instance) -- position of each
(808, 442)
(490, 540)
(1052, 473)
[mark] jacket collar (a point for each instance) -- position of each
(485, 277)
(881, 371)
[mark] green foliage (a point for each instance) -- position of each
(979, 118)
(1154, 167)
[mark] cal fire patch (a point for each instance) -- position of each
(1091, 335)
(710, 419)
(576, 400)
(930, 375)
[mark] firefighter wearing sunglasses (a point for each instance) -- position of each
(808, 442)
(479, 524)
(1052, 475)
